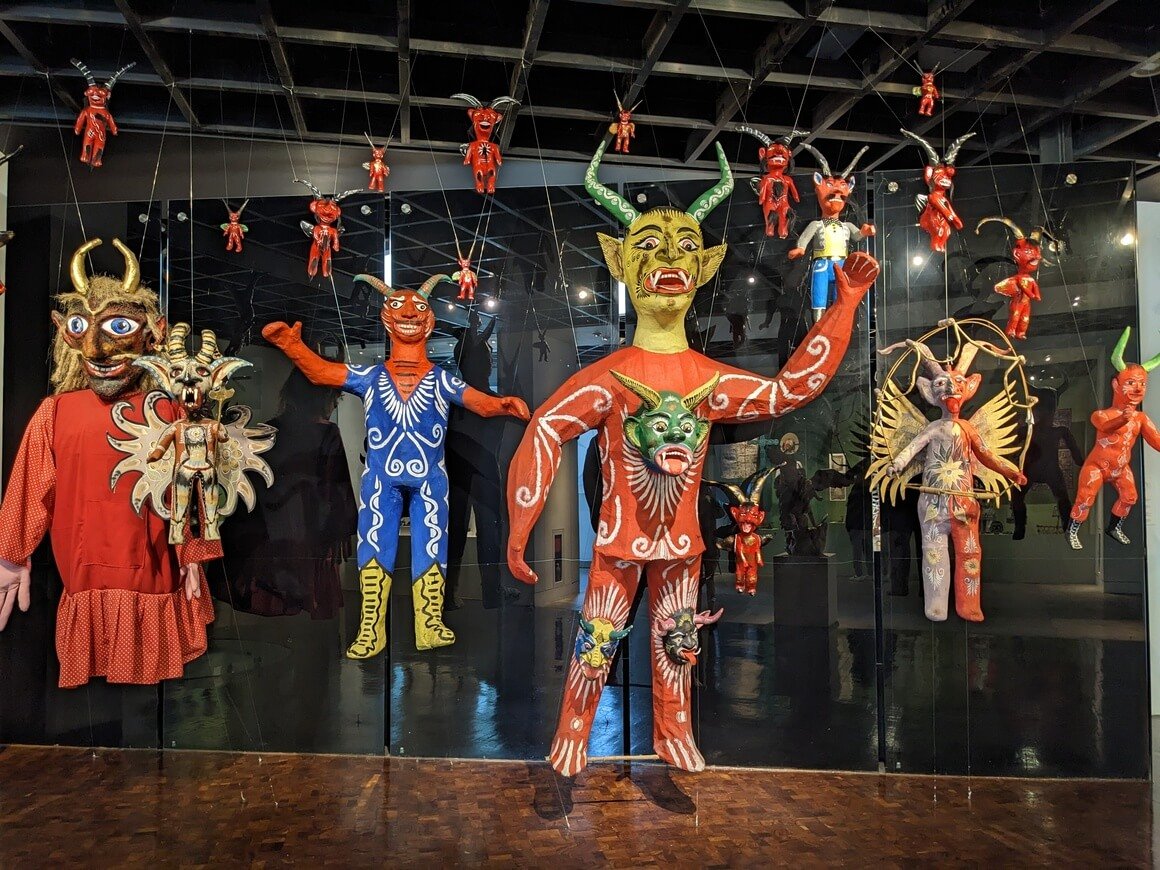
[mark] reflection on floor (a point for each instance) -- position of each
(219, 809)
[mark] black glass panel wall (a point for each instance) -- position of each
(286, 598)
(1054, 681)
(33, 709)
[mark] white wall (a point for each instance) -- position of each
(1148, 276)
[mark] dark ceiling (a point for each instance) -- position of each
(1025, 76)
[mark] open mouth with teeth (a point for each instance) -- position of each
(668, 282)
(189, 396)
(673, 459)
(836, 198)
(408, 327)
(106, 370)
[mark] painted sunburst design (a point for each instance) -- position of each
(678, 591)
(607, 602)
(658, 494)
(947, 468)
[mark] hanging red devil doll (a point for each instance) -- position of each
(1022, 288)
(927, 92)
(623, 128)
(95, 118)
(483, 155)
(377, 166)
(466, 277)
(937, 216)
(775, 188)
(233, 229)
(747, 542)
(326, 229)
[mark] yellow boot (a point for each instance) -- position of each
(375, 585)
(427, 598)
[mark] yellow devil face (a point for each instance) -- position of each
(596, 644)
(662, 261)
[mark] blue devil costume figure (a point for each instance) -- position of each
(407, 400)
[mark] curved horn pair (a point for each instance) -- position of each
(826, 165)
(469, 99)
(175, 343)
(80, 279)
(1007, 222)
(208, 352)
(385, 290)
(85, 71)
(113, 78)
(1118, 354)
(652, 398)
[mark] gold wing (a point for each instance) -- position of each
(154, 478)
(997, 423)
(241, 453)
(898, 423)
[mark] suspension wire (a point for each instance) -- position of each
(342, 118)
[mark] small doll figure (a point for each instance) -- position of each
(1118, 428)
(937, 216)
(234, 230)
(541, 344)
(830, 237)
(949, 453)
(95, 118)
(377, 166)
(325, 230)
(622, 128)
(747, 542)
(483, 155)
(466, 278)
(194, 467)
(1022, 288)
(775, 188)
(928, 92)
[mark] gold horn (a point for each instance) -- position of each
(650, 396)
(208, 352)
(132, 277)
(76, 268)
(695, 398)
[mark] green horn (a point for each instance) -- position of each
(1118, 353)
(616, 204)
(716, 194)
(429, 284)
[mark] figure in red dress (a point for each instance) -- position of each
(95, 119)
(325, 230)
(648, 528)
(1118, 428)
(1022, 288)
(234, 230)
(377, 166)
(134, 609)
(937, 216)
(776, 186)
(483, 155)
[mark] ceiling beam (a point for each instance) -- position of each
(518, 85)
(282, 63)
(656, 40)
(403, 47)
(133, 20)
(33, 61)
(1097, 136)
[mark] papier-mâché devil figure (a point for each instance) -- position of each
(928, 92)
(1022, 288)
(95, 119)
(775, 188)
(648, 528)
(1118, 428)
(482, 155)
(747, 541)
(937, 216)
(233, 229)
(623, 127)
(407, 401)
(830, 237)
(377, 166)
(326, 229)
(949, 453)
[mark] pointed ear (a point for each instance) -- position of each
(735, 512)
(973, 385)
(157, 368)
(711, 260)
(850, 182)
(58, 320)
(157, 336)
(818, 179)
(923, 385)
(613, 255)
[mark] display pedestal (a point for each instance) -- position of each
(805, 591)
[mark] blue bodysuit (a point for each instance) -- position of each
(404, 459)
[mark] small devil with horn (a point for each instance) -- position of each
(95, 118)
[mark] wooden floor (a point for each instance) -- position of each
(61, 807)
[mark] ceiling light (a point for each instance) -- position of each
(752, 279)
(450, 306)
(1047, 358)
(582, 294)
(490, 304)
(1071, 178)
(1032, 377)
(642, 198)
(917, 260)
(405, 208)
(1128, 238)
(892, 186)
(366, 209)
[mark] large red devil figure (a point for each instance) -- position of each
(652, 405)
(937, 216)
(1021, 288)
(95, 118)
(1117, 430)
(325, 230)
(775, 188)
(483, 155)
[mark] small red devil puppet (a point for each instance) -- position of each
(483, 155)
(467, 279)
(325, 230)
(377, 166)
(623, 128)
(1022, 288)
(233, 229)
(775, 188)
(748, 514)
(937, 216)
(927, 92)
(95, 118)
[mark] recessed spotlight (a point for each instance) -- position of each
(1070, 178)
(892, 187)
(365, 209)
(1075, 305)
(405, 208)
(582, 294)
(917, 260)
(490, 304)
(1128, 238)
(1047, 358)
(450, 306)
(1032, 377)
(642, 198)
(752, 279)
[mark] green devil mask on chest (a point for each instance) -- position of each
(665, 428)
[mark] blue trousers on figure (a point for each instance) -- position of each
(823, 282)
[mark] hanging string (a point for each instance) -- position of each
(342, 119)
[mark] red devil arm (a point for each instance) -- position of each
(1111, 419)
(30, 494)
(318, 371)
(580, 404)
(494, 406)
(743, 397)
(1150, 432)
(792, 188)
(81, 118)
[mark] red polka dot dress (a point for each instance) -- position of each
(123, 615)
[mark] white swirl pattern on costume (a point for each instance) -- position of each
(547, 439)
(431, 519)
(375, 508)
(818, 347)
